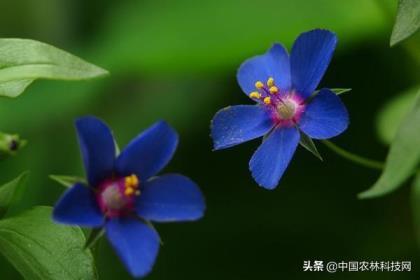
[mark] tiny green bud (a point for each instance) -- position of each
(10, 144)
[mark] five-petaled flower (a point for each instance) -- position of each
(122, 193)
(283, 88)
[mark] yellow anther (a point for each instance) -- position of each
(267, 100)
(273, 90)
(129, 191)
(137, 193)
(255, 94)
(270, 82)
(259, 84)
(134, 180)
(131, 181)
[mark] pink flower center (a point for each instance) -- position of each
(116, 197)
(286, 107)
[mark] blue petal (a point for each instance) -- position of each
(78, 207)
(149, 152)
(171, 197)
(98, 149)
(136, 244)
(274, 63)
(271, 159)
(309, 59)
(325, 116)
(236, 124)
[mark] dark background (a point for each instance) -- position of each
(176, 60)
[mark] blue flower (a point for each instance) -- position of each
(123, 191)
(283, 88)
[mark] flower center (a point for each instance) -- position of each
(286, 106)
(116, 197)
(287, 109)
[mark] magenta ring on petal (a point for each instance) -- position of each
(282, 87)
(118, 196)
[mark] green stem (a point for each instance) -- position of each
(369, 163)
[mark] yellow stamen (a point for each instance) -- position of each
(137, 193)
(255, 94)
(273, 90)
(129, 191)
(267, 100)
(270, 82)
(134, 181)
(131, 181)
(259, 84)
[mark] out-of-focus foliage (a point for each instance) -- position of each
(42, 250)
(403, 156)
(415, 204)
(407, 22)
(11, 192)
(22, 61)
(67, 181)
(392, 114)
(186, 36)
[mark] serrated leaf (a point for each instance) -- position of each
(42, 250)
(22, 61)
(307, 143)
(415, 206)
(403, 157)
(67, 181)
(11, 192)
(391, 115)
(407, 21)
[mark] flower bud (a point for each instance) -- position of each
(10, 144)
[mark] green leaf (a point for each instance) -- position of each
(392, 114)
(94, 236)
(22, 61)
(42, 250)
(307, 143)
(14, 88)
(67, 181)
(403, 156)
(407, 21)
(337, 91)
(415, 205)
(11, 192)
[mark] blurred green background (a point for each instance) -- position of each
(177, 60)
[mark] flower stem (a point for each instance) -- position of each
(369, 163)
